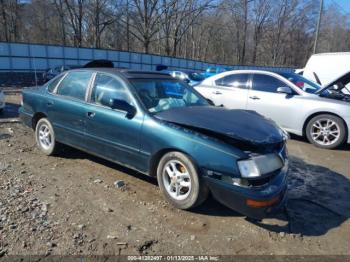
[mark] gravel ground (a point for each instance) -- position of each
(69, 204)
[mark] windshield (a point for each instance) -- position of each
(163, 94)
(301, 82)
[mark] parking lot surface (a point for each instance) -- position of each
(69, 204)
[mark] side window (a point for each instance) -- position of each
(236, 80)
(75, 85)
(107, 88)
(266, 83)
(52, 84)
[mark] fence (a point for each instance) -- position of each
(21, 63)
(37, 57)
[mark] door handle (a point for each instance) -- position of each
(217, 93)
(49, 103)
(254, 97)
(90, 114)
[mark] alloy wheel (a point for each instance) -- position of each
(177, 180)
(45, 137)
(325, 132)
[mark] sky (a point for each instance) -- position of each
(344, 4)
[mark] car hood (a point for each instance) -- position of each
(240, 125)
(343, 79)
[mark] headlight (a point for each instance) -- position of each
(259, 165)
(248, 168)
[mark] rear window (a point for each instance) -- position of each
(75, 84)
(53, 83)
(235, 80)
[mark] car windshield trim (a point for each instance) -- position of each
(156, 98)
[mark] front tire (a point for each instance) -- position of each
(179, 181)
(326, 131)
(45, 137)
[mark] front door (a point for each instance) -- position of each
(111, 133)
(264, 99)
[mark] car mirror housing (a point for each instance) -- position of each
(285, 90)
(122, 105)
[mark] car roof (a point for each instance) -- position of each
(240, 71)
(129, 74)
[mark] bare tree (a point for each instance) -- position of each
(145, 16)
(261, 12)
(75, 10)
(266, 32)
(61, 13)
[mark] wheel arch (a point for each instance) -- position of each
(37, 116)
(323, 113)
(153, 164)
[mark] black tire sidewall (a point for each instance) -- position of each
(336, 119)
(197, 192)
(51, 150)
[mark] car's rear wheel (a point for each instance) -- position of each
(179, 181)
(45, 137)
(326, 131)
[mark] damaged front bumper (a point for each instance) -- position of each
(254, 202)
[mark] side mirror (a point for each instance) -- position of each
(284, 90)
(122, 105)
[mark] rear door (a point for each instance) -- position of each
(231, 91)
(65, 108)
(264, 99)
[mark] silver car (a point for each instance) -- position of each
(300, 106)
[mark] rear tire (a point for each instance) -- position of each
(179, 181)
(326, 131)
(45, 137)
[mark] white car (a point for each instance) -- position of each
(2, 100)
(298, 105)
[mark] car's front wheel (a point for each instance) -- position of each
(45, 137)
(179, 181)
(326, 131)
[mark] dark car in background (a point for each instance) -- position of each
(162, 127)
